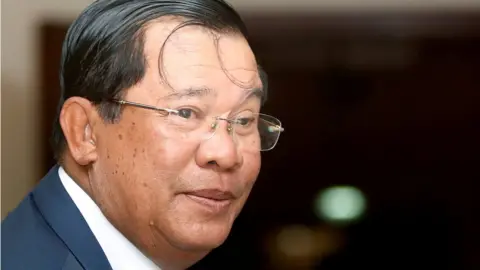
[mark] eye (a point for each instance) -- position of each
(186, 113)
(245, 121)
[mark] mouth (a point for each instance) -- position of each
(213, 200)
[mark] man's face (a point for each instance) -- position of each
(159, 184)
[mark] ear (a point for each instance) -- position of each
(77, 120)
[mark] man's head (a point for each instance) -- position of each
(158, 120)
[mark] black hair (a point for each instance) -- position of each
(103, 52)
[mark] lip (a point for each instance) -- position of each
(212, 194)
(214, 200)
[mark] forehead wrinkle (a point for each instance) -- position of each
(246, 83)
(197, 92)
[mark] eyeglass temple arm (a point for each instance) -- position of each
(148, 107)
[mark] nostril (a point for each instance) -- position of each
(212, 162)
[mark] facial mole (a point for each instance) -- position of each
(120, 136)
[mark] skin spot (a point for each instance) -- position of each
(120, 136)
(135, 152)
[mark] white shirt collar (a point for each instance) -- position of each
(120, 252)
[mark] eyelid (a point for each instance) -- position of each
(188, 104)
(238, 113)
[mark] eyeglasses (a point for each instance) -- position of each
(250, 131)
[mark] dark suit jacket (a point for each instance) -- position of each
(48, 232)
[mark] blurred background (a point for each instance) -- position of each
(379, 163)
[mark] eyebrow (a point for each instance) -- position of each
(255, 92)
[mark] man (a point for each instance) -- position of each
(158, 139)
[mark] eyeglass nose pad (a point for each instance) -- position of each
(229, 128)
(214, 126)
(213, 129)
(229, 124)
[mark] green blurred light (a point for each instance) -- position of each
(340, 204)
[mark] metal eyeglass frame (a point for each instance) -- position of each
(276, 127)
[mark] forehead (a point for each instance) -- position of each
(196, 57)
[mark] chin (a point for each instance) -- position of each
(200, 237)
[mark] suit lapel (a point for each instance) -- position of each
(65, 219)
(72, 264)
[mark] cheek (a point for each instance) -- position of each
(123, 152)
(166, 149)
(249, 174)
(113, 155)
(169, 154)
(161, 161)
(251, 169)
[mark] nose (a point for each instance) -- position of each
(220, 151)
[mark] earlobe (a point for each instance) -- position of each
(76, 122)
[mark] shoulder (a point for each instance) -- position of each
(26, 234)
